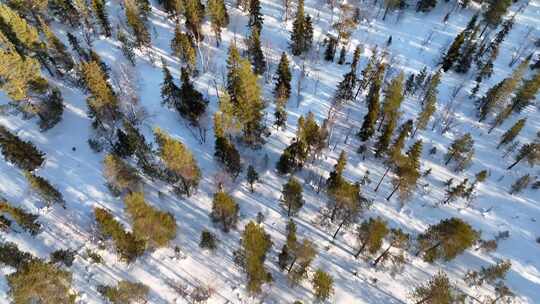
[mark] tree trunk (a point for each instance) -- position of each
(289, 210)
(385, 12)
(429, 249)
(449, 159)
(380, 257)
(292, 264)
(515, 163)
(339, 228)
(380, 181)
(393, 191)
(360, 250)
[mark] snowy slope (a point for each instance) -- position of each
(77, 172)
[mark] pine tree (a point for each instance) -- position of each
(66, 12)
(183, 47)
(255, 51)
(461, 151)
(252, 177)
(180, 165)
(346, 87)
(428, 109)
(529, 152)
(425, 5)
(170, 92)
(219, 18)
(370, 119)
(398, 240)
(56, 50)
(526, 93)
(410, 87)
(98, 6)
(495, 11)
(393, 97)
(489, 274)
(50, 110)
(293, 157)
(44, 190)
(26, 220)
(282, 89)
(126, 45)
(520, 184)
(370, 235)
(323, 285)
(194, 14)
(255, 17)
(224, 211)
(342, 55)
(496, 95)
(136, 23)
(302, 257)
(456, 192)
(192, 104)
(20, 76)
(255, 244)
(512, 133)
(381, 146)
(103, 102)
(438, 290)
(225, 151)
(331, 46)
(291, 196)
(453, 52)
(407, 172)
(446, 240)
(119, 175)
(21, 153)
(302, 34)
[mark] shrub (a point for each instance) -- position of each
(27, 221)
(45, 190)
(125, 292)
(208, 240)
(10, 255)
(64, 256)
(19, 152)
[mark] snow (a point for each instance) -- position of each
(77, 173)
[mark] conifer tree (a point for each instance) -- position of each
(488, 274)
(56, 50)
(282, 89)
(192, 104)
(520, 184)
(428, 109)
(525, 94)
(302, 34)
(342, 55)
(66, 12)
(293, 157)
(26, 220)
(529, 152)
(194, 13)
(346, 87)
(252, 177)
(180, 166)
(219, 18)
(20, 76)
(255, 51)
(255, 17)
(21, 153)
(119, 175)
(170, 92)
(370, 119)
(323, 285)
(98, 6)
(286, 255)
(224, 211)
(50, 110)
(425, 5)
(254, 246)
(446, 240)
(495, 11)
(381, 146)
(16, 34)
(438, 290)
(44, 190)
(397, 240)
(407, 172)
(126, 45)
(225, 151)
(370, 235)
(136, 23)
(461, 152)
(497, 95)
(331, 46)
(410, 87)
(512, 133)
(302, 256)
(183, 47)
(453, 53)
(456, 192)
(393, 97)
(291, 196)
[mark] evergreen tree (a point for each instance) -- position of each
(136, 23)
(66, 12)
(428, 109)
(219, 18)
(44, 190)
(98, 6)
(407, 172)
(225, 151)
(520, 184)
(410, 87)
(495, 11)
(525, 94)
(180, 166)
(252, 177)
(454, 193)
(293, 157)
(393, 97)
(56, 50)
(488, 274)
(255, 17)
(291, 196)
(453, 53)
(529, 152)
(398, 240)
(119, 175)
(194, 14)
(438, 290)
(323, 285)
(496, 95)
(461, 151)
(381, 146)
(126, 45)
(512, 133)
(342, 55)
(224, 211)
(21, 153)
(446, 240)
(282, 89)
(50, 110)
(183, 47)
(255, 244)
(192, 104)
(255, 51)
(425, 5)
(346, 87)
(302, 256)
(170, 92)
(20, 76)
(370, 235)
(370, 119)
(331, 46)
(302, 34)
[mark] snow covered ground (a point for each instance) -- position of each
(76, 170)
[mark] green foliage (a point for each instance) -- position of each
(520, 184)
(136, 23)
(156, 228)
(50, 110)
(20, 76)
(192, 104)
(40, 282)
(292, 199)
(282, 89)
(21, 153)
(526, 92)
(495, 11)
(208, 240)
(26, 220)
(302, 34)
(98, 6)
(425, 5)
(255, 244)
(370, 119)
(323, 285)
(125, 292)
(228, 155)
(127, 245)
(252, 177)
(44, 190)
(446, 240)
(453, 53)
(461, 151)
(119, 175)
(224, 211)
(64, 256)
(370, 235)
(10, 255)
(489, 274)
(438, 290)
(194, 14)
(219, 18)
(183, 47)
(170, 92)
(103, 102)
